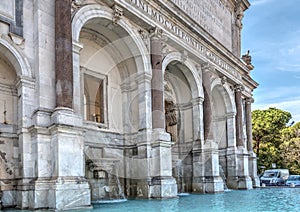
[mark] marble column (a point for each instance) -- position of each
(157, 90)
(252, 156)
(244, 181)
(160, 183)
(207, 104)
(68, 187)
(249, 124)
(63, 54)
(239, 116)
(211, 180)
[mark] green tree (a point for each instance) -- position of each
(266, 128)
(290, 148)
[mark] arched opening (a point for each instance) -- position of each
(106, 64)
(223, 131)
(8, 120)
(109, 64)
(179, 122)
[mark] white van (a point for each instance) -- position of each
(275, 177)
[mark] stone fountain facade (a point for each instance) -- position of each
(101, 99)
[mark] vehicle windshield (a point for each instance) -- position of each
(293, 178)
(270, 174)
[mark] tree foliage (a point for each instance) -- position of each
(290, 148)
(274, 141)
(266, 126)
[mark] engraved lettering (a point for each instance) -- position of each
(168, 25)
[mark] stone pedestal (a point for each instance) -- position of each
(232, 176)
(198, 171)
(244, 181)
(153, 167)
(253, 170)
(210, 179)
(163, 185)
(69, 188)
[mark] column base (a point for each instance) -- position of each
(255, 182)
(163, 187)
(213, 185)
(60, 194)
(198, 185)
(245, 183)
(70, 194)
(156, 188)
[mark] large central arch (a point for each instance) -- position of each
(113, 58)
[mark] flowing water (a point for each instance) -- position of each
(265, 199)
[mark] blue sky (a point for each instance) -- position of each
(271, 31)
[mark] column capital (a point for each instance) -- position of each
(207, 66)
(249, 100)
(239, 88)
(197, 101)
(156, 33)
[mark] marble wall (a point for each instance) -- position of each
(53, 157)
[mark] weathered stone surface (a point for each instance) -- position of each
(54, 155)
(63, 54)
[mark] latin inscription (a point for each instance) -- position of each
(7, 9)
(176, 30)
(211, 15)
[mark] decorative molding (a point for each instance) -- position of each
(197, 101)
(145, 37)
(239, 88)
(184, 56)
(207, 67)
(76, 4)
(118, 13)
(248, 60)
(223, 80)
(249, 100)
(156, 33)
(18, 40)
(239, 14)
